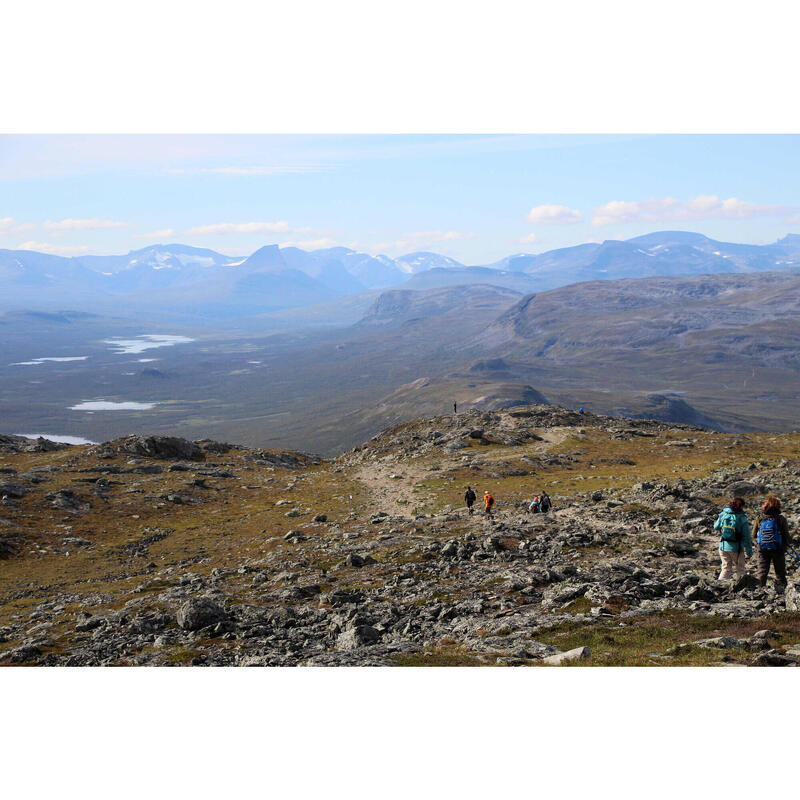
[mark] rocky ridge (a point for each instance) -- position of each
(155, 550)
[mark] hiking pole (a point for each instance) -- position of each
(794, 554)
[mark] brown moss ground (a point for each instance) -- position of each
(227, 527)
(241, 524)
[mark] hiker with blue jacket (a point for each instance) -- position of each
(734, 540)
(771, 540)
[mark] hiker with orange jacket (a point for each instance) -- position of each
(488, 502)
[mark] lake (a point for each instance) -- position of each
(145, 342)
(109, 405)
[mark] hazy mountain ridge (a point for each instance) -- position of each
(180, 279)
(721, 351)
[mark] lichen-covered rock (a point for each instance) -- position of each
(792, 597)
(200, 612)
(356, 637)
(163, 447)
(577, 654)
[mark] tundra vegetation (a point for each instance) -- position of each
(162, 551)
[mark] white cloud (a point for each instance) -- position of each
(529, 239)
(314, 244)
(94, 224)
(555, 215)
(164, 233)
(668, 209)
(54, 249)
(224, 228)
(795, 220)
(263, 169)
(8, 225)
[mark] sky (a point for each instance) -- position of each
(476, 198)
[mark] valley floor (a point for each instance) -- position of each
(163, 552)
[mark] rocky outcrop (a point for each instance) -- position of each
(162, 447)
(19, 444)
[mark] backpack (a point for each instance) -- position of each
(545, 503)
(729, 531)
(769, 535)
(470, 496)
(489, 501)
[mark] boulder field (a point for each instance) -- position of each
(161, 551)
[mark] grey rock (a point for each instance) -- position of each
(356, 637)
(681, 547)
(450, 549)
(21, 654)
(13, 489)
(200, 612)
(162, 447)
(66, 500)
(701, 592)
(792, 597)
(577, 654)
(742, 488)
(563, 593)
(356, 560)
(773, 658)
(723, 642)
(210, 446)
(87, 622)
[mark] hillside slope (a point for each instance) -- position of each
(728, 344)
(155, 551)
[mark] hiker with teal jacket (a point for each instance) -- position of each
(734, 541)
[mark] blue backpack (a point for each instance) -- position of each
(769, 535)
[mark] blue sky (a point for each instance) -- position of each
(475, 198)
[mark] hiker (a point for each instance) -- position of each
(535, 505)
(772, 539)
(580, 410)
(544, 503)
(734, 540)
(455, 407)
(470, 497)
(488, 502)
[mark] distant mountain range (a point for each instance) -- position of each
(193, 280)
(719, 350)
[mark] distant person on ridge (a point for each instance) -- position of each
(734, 540)
(455, 407)
(580, 410)
(470, 497)
(772, 538)
(488, 502)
